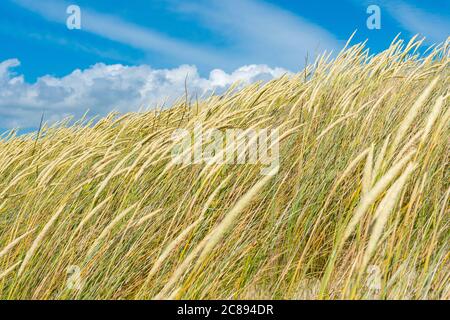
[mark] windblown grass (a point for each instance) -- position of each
(362, 191)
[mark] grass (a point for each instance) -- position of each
(358, 208)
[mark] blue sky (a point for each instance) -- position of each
(131, 54)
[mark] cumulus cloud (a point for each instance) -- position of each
(103, 88)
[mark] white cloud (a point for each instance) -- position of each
(262, 32)
(250, 32)
(433, 26)
(103, 88)
(116, 29)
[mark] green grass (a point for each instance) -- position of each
(362, 193)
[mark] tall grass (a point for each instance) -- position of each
(363, 186)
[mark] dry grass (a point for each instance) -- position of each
(362, 187)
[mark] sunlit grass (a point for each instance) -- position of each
(362, 193)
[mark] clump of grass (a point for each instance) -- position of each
(363, 185)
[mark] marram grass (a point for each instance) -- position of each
(358, 209)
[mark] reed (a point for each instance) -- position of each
(362, 184)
